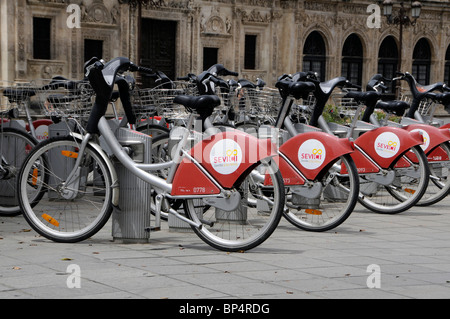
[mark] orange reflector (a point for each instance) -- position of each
(35, 176)
(51, 220)
(409, 190)
(69, 154)
(313, 212)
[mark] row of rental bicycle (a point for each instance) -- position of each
(228, 157)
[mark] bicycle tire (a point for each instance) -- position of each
(160, 154)
(80, 209)
(439, 185)
(154, 130)
(403, 193)
(334, 205)
(21, 145)
(246, 227)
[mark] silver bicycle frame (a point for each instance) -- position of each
(129, 164)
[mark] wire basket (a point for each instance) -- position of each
(227, 97)
(158, 101)
(258, 103)
(346, 106)
(426, 107)
(301, 111)
(61, 101)
(16, 95)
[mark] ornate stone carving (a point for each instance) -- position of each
(161, 4)
(258, 3)
(45, 69)
(98, 13)
(48, 2)
(215, 24)
(255, 16)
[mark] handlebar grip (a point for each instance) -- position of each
(351, 85)
(183, 78)
(232, 73)
(143, 69)
(218, 81)
(224, 72)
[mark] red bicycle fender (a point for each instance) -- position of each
(226, 157)
(432, 136)
(289, 174)
(312, 152)
(190, 180)
(38, 123)
(385, 144)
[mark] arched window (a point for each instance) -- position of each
(352, 59)
(447, 66)
(388, 60)
(314, 55)
(422, 62)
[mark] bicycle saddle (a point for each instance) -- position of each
(296, 89)
(329, 86)
(200, 103)
(396, 107)
(368, 98)
(246, 84)
(429, 88)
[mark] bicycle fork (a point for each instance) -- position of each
(70, 188)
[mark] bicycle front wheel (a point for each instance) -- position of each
(73, 208)
(15, 145)
(255, 218)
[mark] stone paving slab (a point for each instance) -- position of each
(411, 249)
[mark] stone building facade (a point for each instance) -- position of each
(257, 38)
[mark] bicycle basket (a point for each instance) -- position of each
(301, 112)
(345, 106)
(16, 95)
(258, 103)
(75, 102)
(159, 100)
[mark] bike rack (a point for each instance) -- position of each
(8, 195)
(131, 220)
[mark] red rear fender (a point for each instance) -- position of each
(311, 153)
(385, 144)
(432, 136)
(226, 156)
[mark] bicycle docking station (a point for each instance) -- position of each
(14, 150)
(131, 220)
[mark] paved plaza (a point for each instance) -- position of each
(371, 255)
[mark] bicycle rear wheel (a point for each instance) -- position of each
(439, 185)
(334, 204)
(72, 210)
(254, 220)
(14, 148)
(154, 130)
(408, 185)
